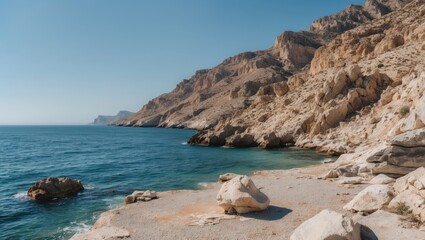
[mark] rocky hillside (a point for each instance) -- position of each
(212, 95)
(352, 84)
(107, 120)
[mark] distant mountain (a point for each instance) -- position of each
(106, 120)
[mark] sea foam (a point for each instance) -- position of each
(21, 196)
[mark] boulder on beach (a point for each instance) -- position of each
(51, 188)
(370, 199)
(143, 196)
(240, 195)
(327, 225)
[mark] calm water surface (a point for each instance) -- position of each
(111, 162)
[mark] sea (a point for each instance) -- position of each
(111, 162)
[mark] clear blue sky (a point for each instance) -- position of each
(65, 62)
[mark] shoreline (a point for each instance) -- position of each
(296, 195)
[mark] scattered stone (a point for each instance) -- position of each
(382, 179)
(51, 188)
(370, 199)
(149, 194)
(227, 176)
(327, 225)
(351, 180)
(143, 196)
(130, 199)
(241, 195)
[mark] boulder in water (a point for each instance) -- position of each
(51, 188)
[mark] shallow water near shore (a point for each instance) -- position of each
(111, 162)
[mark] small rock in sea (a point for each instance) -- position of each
(52, 188)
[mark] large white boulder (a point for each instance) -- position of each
(382, 179)
(385, 225)
(241, 195)
(370, 199)
(327, 225)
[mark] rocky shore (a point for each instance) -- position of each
(296, 196)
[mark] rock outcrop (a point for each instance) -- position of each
(370, 199)
(52, 188)
(240, 195)
(327, 225)
(107, 120)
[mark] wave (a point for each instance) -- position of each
(184, 143)
(114, 202)
(76, 227)
(205, 185)
(89, 187)
(21, 196)
(328, 160)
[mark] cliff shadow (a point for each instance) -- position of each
(272, 213)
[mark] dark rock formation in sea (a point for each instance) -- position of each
(107, 120)
(51, 188)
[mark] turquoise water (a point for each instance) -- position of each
(111, 162)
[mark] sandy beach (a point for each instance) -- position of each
(296, 195)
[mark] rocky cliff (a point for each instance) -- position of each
(211, 95)
(107, 120)
(350, 82)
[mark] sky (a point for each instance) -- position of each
(65, 62)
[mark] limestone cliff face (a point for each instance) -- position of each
(344, 84)
(337, 107)
(212, 95)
